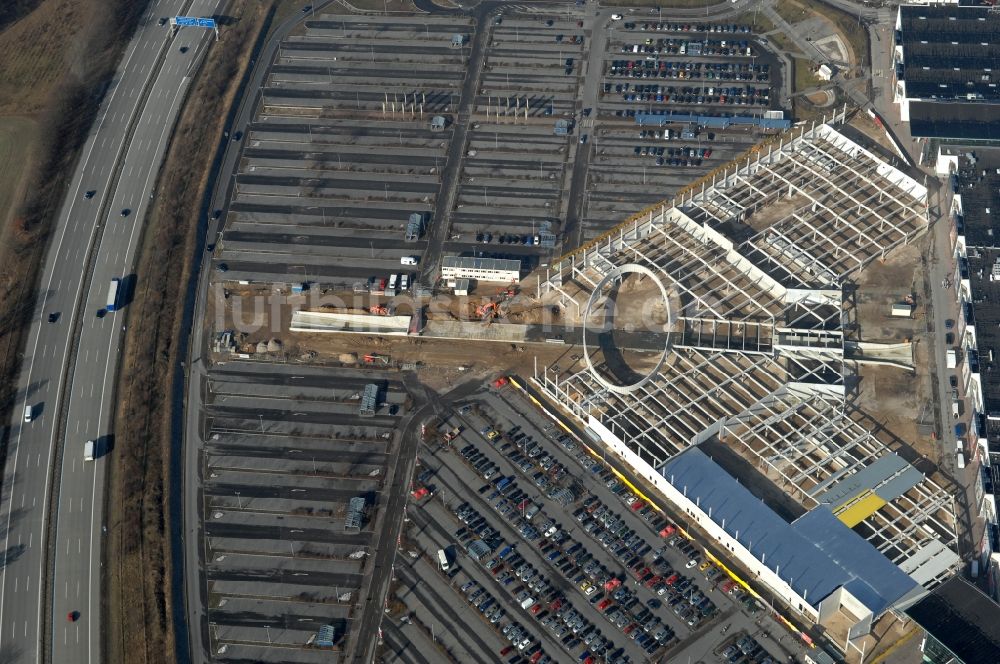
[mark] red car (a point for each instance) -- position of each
(668, 530)
(672, 579)
(420, 493)
(506, 651)
(638, 505)
(556, 605)
(72, 616)
(603, 604)
(630, 628)
(612, 584)
(536, 609)
(652, 582)
(534, 658)
(496, 570)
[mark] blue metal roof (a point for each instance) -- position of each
(816, 554)
(710, 121)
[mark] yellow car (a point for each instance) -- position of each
(584, 585)
(493, 435)
(704, 566)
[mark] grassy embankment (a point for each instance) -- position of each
(140, 604)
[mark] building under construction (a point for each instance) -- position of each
(751, 271)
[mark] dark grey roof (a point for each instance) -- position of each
(815, 554)
(963, 619)
(949, 52)
(955, 120)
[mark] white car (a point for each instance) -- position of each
(616, 17)
(691, 563)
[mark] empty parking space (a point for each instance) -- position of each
(344, 150)
(293, 482)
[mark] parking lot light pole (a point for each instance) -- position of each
(238, 500)
(261, 417)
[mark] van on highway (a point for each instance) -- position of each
(27, 413)
(88, 451)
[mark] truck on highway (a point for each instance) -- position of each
(88, 451)
(113, 294)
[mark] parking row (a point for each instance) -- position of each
(290, 506)
(709, 28)
(728, 71)
(625, 545)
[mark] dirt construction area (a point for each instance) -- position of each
(899, 400)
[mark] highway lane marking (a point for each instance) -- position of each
(90, 566)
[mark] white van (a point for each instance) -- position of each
(27, 413)
(443, 560)
(408, 260)
(88, 451)
(404, 282)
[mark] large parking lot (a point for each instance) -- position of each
(285, 452)
(519, 136)
(342, 151)
(548, 555)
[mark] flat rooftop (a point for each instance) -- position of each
(978, 183)
(477, 263)
(949, 52)
(962, 619)
(975, 121)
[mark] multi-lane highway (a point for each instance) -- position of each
(70, 363)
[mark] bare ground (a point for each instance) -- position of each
(897, 400)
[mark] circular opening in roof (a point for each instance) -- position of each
(621, 379)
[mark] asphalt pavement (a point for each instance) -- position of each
(70, 364)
